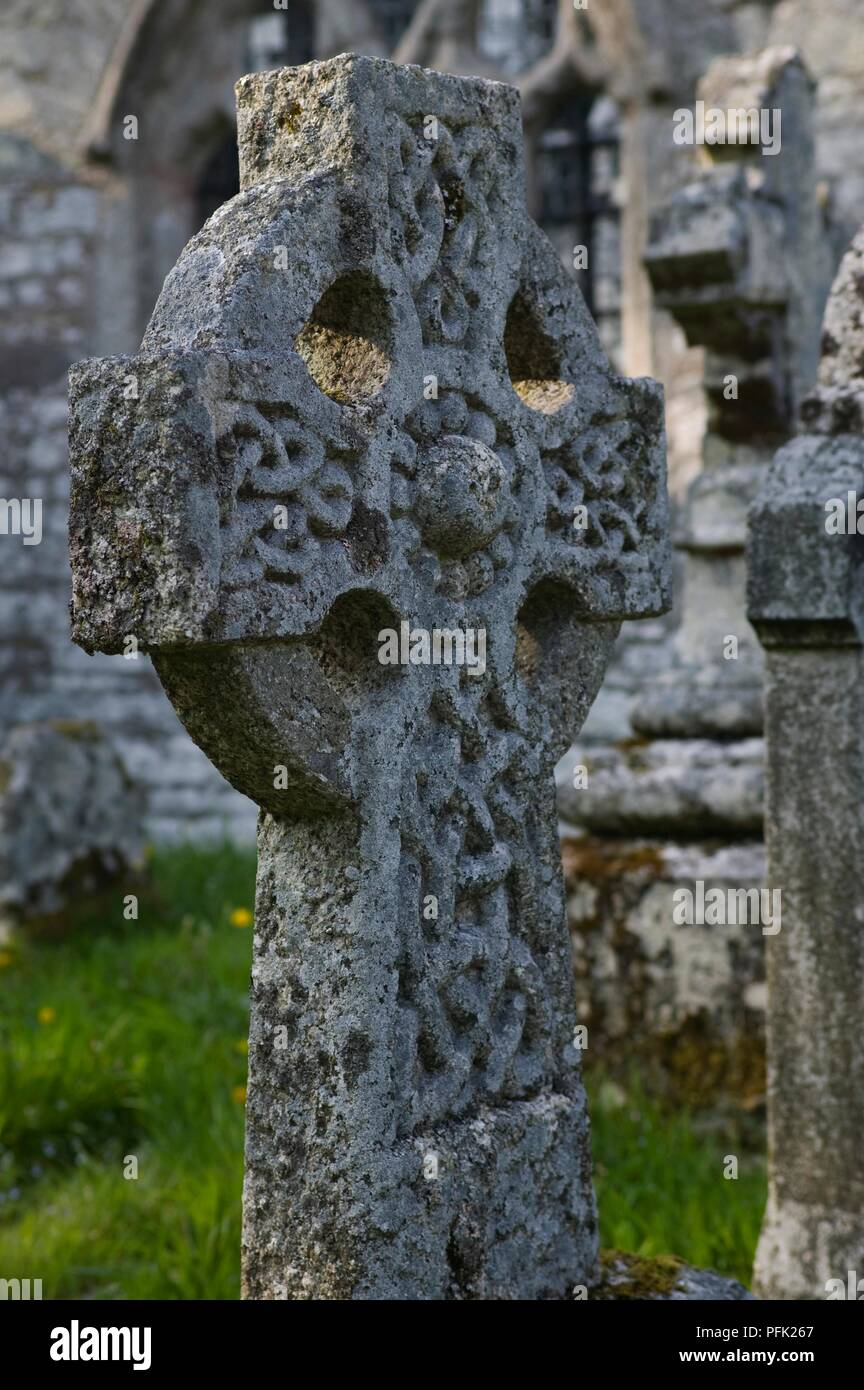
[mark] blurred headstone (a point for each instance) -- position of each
(70, 825)
(740, 259)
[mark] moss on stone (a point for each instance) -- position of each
(634, 751)
(81, 730)
(599, 861)
(289, 119)
(691, 1066)
(625, 1276)
(702, 1068)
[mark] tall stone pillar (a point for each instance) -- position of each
(805, 601)
(739, 258)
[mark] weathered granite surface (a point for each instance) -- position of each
(70, 824)
(374, 338)
(805, 600)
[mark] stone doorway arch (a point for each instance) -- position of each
(163, 127)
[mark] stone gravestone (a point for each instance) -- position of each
(805, 601)
(739, 257)
(370, 402)
(71, 837)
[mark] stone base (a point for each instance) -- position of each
(497, 1207)
(803, 1247)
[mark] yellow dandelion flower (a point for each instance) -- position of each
(6, 958)
(238, 1095)
(241, 917)
(46, 1014)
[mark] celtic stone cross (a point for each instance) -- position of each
(370, 396)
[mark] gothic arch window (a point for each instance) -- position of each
(576, 182)
(284, 38)
(391, 19)
(174, 71)
(219, 179)
(513, 34)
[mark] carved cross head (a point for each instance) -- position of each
(369, 393)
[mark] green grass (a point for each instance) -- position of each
(660, 1180)
(140, 1054)
(128, 1040)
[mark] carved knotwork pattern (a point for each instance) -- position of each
(442, 209)
(274, 460)
(599, 471)
(442, 223)
(474, 1017)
